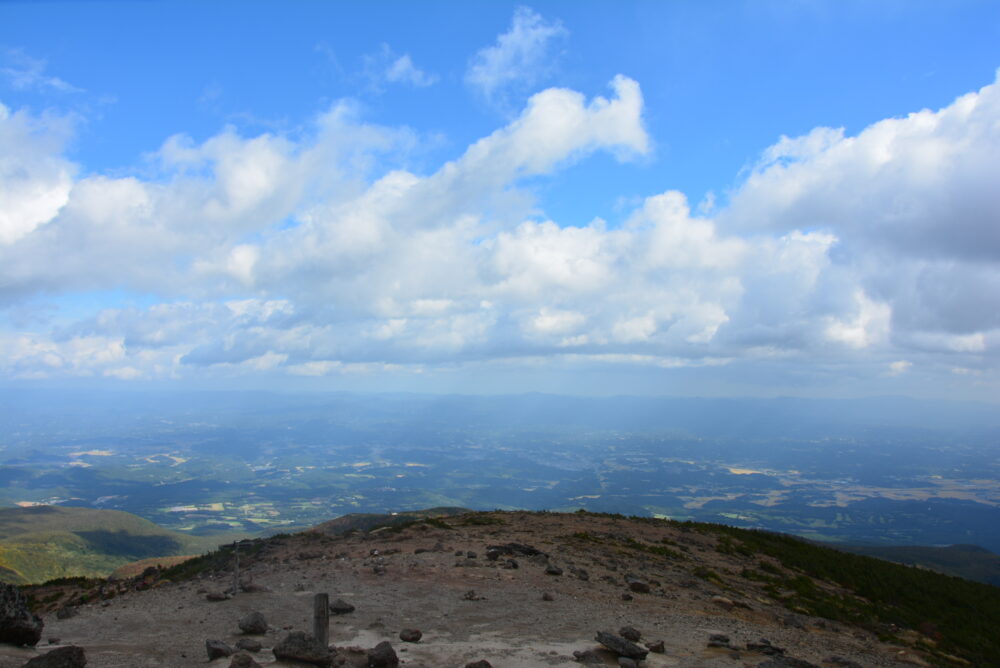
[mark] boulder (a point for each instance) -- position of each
(18, 625)
(620, 646)
(382, 656)
(300, 646)
(217, 649)
(254, 624)
(64, 657)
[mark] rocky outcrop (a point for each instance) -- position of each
(18, 625)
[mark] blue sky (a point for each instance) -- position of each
(749, 198)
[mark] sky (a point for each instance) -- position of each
(795, 198)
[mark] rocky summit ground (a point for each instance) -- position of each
(471, 585)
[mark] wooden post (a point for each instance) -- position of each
(236, 568)
(321, 618)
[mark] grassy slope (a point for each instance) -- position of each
(44, 542)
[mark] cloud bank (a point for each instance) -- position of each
(319, 254)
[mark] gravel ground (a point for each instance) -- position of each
(507, 622)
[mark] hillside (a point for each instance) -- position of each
(532, 589)
(965, 561)
(39, 543)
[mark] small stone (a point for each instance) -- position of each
(656, 647)
(66, 612)
(300, 646)
(621, 646)
(249, 645)
(552, 569)
(629, 633)
(382, 656)
(548, 597)
(482, 663)
(341, 607)
(216, 596)
(626, 596)
(625, 662)
(638, 586)
(470, 555)
(410, 635)
(253, 624)
(243, 661)
(217, 649)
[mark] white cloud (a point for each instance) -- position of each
(34, 180)
(318, 254)
(521, 57)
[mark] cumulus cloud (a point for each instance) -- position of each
(319, 254)
(521, 58)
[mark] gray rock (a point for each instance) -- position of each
(382, 656)
(64, 657)
(243, 661)
(552, 569)
(341, 607)
(249, 645)
(410, 635)
(18, 625)
(216, 596)
(254, 624)
(620, 646)
(625, 662)
(217, 649)
(629, 633)
(300, 646)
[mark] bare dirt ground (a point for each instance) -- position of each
(505, 620)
